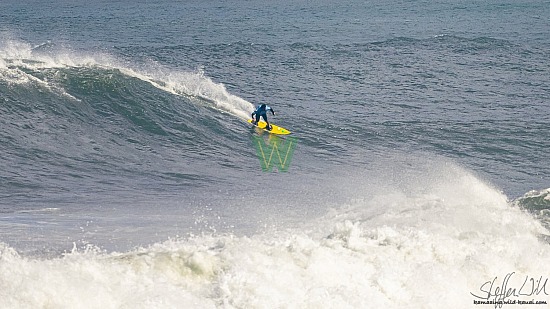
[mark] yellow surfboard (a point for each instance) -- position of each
(274, 128)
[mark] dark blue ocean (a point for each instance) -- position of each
(129, 177)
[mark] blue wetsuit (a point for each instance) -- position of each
(261, 111)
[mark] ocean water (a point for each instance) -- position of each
(129, 177)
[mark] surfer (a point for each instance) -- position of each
(261, 110)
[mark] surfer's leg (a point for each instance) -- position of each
(257, 118)
(267, 126)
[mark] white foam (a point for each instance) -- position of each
(195, 84)
(93, 280)
(427, 247)
(11, 49)
(15, 54)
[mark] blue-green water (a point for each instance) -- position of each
(419, 125)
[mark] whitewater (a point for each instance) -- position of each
(431, 242)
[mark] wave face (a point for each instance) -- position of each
(87, 118)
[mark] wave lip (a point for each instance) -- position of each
(18, 58)
(537, 202)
